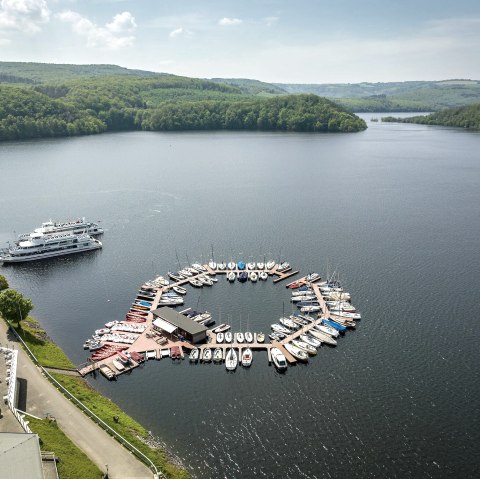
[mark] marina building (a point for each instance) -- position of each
(172, 323)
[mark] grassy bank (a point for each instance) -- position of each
(73, 463)
(127, 427)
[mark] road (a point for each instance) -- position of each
(43, 398)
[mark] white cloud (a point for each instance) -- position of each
(269, 21)
(5, 41)
(23, 15)
(226, 22)
(181, 32)
(116, 34)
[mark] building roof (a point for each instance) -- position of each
(20, 456)
(179, 320)
(165, 325)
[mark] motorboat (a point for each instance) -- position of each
(79, 226)
(222, 328)
(212, 265)
(278, 359)
(241, 265)
(118, 365)
(260, 338)
(303, 297)
(242, 276)
(337, 296)
(228, 337)
(207, 355)
(270, 265)
(220, 337)
(195, 283)
(179, 290)
(280, 329)
(327, 330)
(253, 277)
(251, 265)
(102, 331)
(205, 280)
(194, 353)
(302, 291)
(324, 338)
(239, 338)
(276, 336)
(344, 314)
(342, 306)
(295, 285)
(296, 352)
(231, 276)
(231, 360)
(283, 267)
(231, 265)
(287, 322)
(263, 275)
(247, 357)
(174, 277)
(312, 277)
(161, 281)
(213, 279)
(218, 355)
(301, 304)
(185, 273)
(332, 324)
(249, 337)
(306, 338)
(308, 348)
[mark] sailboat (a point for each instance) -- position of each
(231, 361)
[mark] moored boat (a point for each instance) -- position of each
(263, 275)
(323, 337)
(231, 360)
(247, 357)
(308, 348)
(218, 355)
(306, 338)
(207, 355)
(239, 338)
(296, 352)
(79, 226)
(278, 359)
(260, 338)
(249, 337)
(222, 328)
(194, 353)
(228, 337)
(179, 290)
(220, 337)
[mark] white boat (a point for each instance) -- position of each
(212, 265)
(296, 352)
(302, 297)
(220, 337)
(239, 337)
(205, 280)
(303, 292)
(308, 348)
(324, 338)
(283, 267)
(194, 353)
(77, 227)
(222, 328)
(270, 265)
(231, 265)
(231, 361)
(249, 337)
(161, 281)
(118, 365)
(41, 246)
(260, 265)
(343, 314)
(278, 359)
(207, 355)
(280, 329)
(179, 290)
(199, 267)
(247, 357)
(260, 337)
(195, 283)
(251, 265)
(310, 309)
(102, 331)
(287, 322)
(228, 337)
(253, 277)
(312, 277)
(263, 275)
(337, 296)
(341, 306)
(221, 266)
(218, 355)
(306, 338)
(231, 276)
(327, 330)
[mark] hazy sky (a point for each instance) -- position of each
(270, 40)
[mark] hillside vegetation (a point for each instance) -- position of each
(465, 117)
(98, 103)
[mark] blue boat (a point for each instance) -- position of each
(241, 265)
(335, 325)
(143, 303)
(243, 276)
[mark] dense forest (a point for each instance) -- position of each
(464, 117)
(98, 103)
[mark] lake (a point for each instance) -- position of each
(394, 210)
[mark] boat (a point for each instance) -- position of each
(179, 290)
(174, 277)
(221, 266)
(198, 267)
(332, 324)
(205, 280)
(241, 265)
(161, 281)
(250, 265)
(239, 338)
(295, 285)
(301, 304)
(341, 306)
(195, 283)
(253, 277)
(249, 337)
(118, 365)
(260, 338)
(304, 290)
(337, 296)
(194, 353)
(222, 328)
(220, 337)
(308, 348)
(142, 302)
(242, 276)
(288, 323)
(107, 372)
(296, 352)
(280, 329)
(102, 331)
(78, 227)
(185, 273)
(213, 279)
(310, 309)
(218, 355)
(231, 361)
(270, 265)
(247, 357)
(278, 359)
(283, 267)
(260, 265)
(41, 246)
(344, 314)
(327, 330)
(324, 338)
(228, 337)
(306, 338)
(207, 355)
(231, 276)
(212, 265)
(231, 265)
(302, 297)
(276, 336)
(312, 277)
(263, 275)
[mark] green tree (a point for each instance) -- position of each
(13, 305)
(3, 283)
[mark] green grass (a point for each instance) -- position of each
(73, 463)
(126, 426)
(45, 350)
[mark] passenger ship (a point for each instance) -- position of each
(77, 227)
(40, 246)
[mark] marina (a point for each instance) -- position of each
(153, 330)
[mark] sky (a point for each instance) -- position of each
(301, 41)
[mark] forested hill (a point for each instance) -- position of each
(465, 117)
(156, 102)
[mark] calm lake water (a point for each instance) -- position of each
(394, 209)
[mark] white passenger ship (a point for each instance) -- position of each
(77, 227)
(40, 246)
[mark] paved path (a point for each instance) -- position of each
(43, 398)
